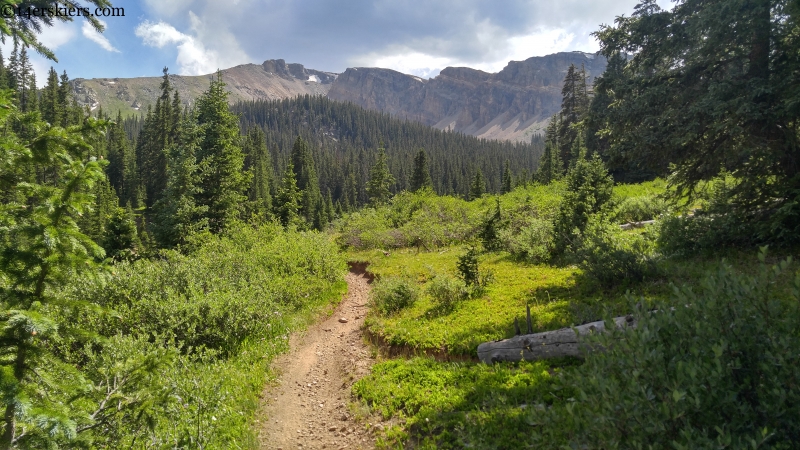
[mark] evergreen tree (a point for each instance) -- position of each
(421, 177)
(478, 186)
(177, 213)
(589, 188)
(14, 69)
(223, 181)
(697, 99)
(32, 93)
(380, 180)
(50, 102)
(307, 181)
(550, 164)
(64, 96)
(258, 162)
(507, 179)
(118, 157)
(122, 239)
(3, 72)
(574, 105)
(287, 202)
(42, 251)
(23, 73)
(93, 223)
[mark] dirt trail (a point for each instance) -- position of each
(308, 407)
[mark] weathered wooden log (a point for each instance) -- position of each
(632, 225)
(550, 344)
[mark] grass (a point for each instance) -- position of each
(558, 297)
(433, 405)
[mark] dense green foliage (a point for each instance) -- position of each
(189, 337)
(344, 138)
(709, 87)
(392, 294)
(455, 405)
(720, 369)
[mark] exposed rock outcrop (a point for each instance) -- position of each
(514, 103)
(273, 79)
(511, 104)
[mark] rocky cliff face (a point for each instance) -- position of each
(274, 79)
(514, 103)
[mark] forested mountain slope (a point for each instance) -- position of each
(344, 139)
(514, 104)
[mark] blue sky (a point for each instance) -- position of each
(195, 37)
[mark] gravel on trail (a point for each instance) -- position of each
(307, 408)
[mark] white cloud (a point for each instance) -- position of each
(93, 35)
(57, 35)
(194, 57)
(517, 48)
(414, 63)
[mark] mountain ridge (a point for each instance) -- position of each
(512, 104)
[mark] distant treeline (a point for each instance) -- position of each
(344, 138)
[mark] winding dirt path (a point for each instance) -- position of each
(307, 409)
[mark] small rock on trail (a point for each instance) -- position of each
(308, 409)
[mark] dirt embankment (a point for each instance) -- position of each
(307, 409)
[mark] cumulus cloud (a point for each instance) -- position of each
(194, 57)
(407, 35)
(57, 35)
(93, 35)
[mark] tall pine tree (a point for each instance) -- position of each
(223, 182)
(258, 162)
(380, 180)
(421, 177)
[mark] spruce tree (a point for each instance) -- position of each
(507, 180)
(380, 180)
(122, 239)
(118, 157)
(478, 186)
(307, 181)
(258, 162)
(224, 183)
(421, 177)
(42, 251)
(287, 202)
(64, 96)
(177, 214)
(574, 104)
(50, 106)
(589, 188)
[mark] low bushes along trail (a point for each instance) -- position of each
(307, 409)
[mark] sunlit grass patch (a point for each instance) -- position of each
(558, 297)
(456, 405)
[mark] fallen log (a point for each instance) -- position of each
(632, 225)
(550, 344)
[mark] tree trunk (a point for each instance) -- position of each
(550, 344)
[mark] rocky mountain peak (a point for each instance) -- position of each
(297, 71)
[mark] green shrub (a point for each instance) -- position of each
(533, 243)
(612, 256)
(589, 189)
(637, 209)
(190, 337)
(468, 267)
(392, 294)
(719, 370)
(447, 291)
